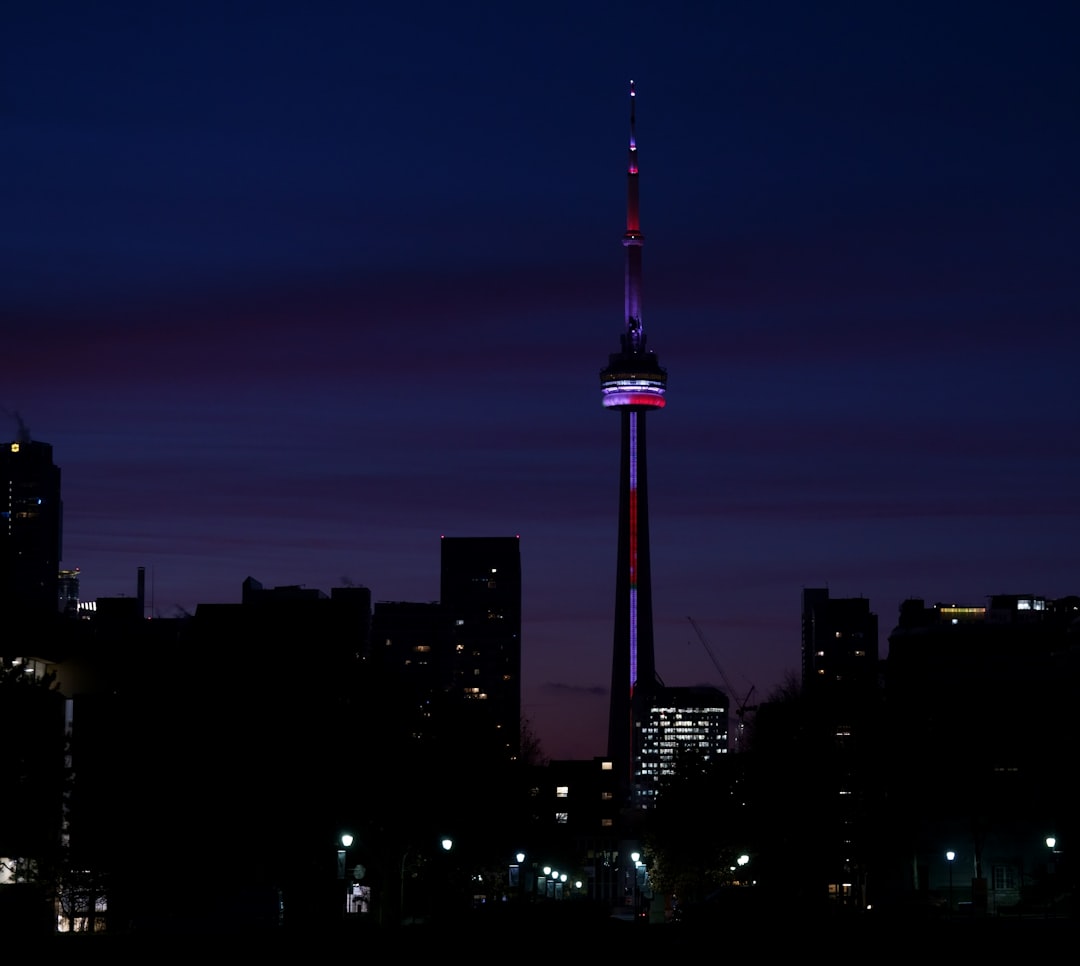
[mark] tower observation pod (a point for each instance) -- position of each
(633, 383)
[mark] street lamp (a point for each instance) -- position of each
(346, 840)
(1051, 844)
(517, 875)
(949, 856)
(635, 857)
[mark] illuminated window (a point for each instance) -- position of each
(605, 796)
(605, 766)
(561, 818)
(422, 648)
(562, 791)
(606, 822)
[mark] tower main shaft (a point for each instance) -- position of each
(633, 383)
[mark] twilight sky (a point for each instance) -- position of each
(294, 288)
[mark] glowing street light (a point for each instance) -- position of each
(949, 856)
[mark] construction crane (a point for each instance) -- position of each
(741, 707)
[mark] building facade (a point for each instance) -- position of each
(480, 590)
(31, 518)
(691, 721)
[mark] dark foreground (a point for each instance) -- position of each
(566, 935)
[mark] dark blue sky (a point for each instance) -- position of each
(293, 289)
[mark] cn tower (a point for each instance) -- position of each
(632, 384)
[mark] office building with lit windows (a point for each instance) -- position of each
(682, 722)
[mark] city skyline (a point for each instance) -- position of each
(292, 295)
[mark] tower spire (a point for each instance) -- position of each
(633, 240)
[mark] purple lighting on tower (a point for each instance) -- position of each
(632, 383)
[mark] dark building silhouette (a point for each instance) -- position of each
(839, 646)
(982, 733)
(840, 717)
(67, 592)
(480, 587)
(632, 384)
(31, 517)
(574, 830)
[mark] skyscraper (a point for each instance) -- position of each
(632, 384)
(480, 587)
(839, 646)
(30, 526)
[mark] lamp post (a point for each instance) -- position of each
(346, 840)
(635, 857)
(949, 856)
(517, 875)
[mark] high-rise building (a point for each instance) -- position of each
(682, 721)
(839, 645)
(841, 706)
(480, 587)
(67, 591)
(632, 384)
(30, 526)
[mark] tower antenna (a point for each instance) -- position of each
(633, 240)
